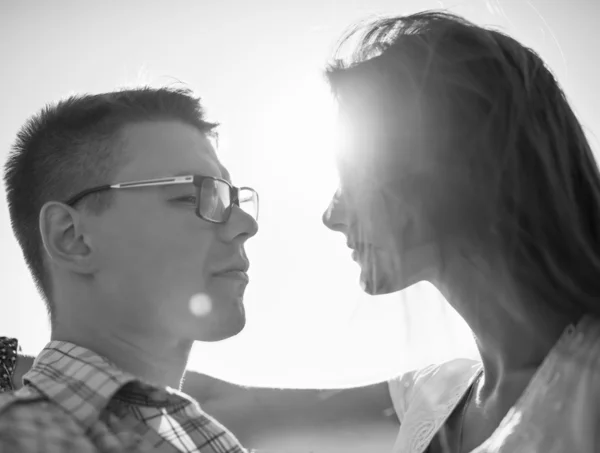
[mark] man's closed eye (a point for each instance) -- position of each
(190, 199)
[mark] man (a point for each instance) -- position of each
(129, 224)
(135, 237)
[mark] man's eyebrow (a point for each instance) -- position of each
(170, 187)
(224, 174)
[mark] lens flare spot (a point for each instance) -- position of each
(200, 304)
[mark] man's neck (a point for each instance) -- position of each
(157, 361)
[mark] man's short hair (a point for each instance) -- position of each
(76, 144)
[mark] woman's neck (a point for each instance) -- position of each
(513, 335)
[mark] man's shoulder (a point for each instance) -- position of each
(30, 423)
(25, 396)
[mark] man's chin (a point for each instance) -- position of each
(224, 317)
(221, 326)
(221, 334)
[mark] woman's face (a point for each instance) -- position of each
(381, 212)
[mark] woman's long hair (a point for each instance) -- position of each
(511, 170)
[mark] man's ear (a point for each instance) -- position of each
(64, 238)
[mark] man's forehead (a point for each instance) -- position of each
(168, 149)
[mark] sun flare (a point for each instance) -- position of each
(303, 137)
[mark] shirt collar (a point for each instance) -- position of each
(77, 379)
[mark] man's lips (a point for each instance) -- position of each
(234, 274)
(239, 265)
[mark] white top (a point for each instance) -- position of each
(424, 399)
(558, 412)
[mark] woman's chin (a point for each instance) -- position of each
(378, 285)
(382, 285)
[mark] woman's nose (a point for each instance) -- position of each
(334, 216)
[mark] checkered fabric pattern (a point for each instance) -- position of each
(76, 401)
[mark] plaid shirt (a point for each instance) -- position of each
(76, 401)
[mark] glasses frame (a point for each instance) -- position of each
(196, 180)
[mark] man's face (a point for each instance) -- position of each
(160, 267)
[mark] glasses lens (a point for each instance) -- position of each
(214, 200)
(248, 199)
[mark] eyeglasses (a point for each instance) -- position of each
(214, 197)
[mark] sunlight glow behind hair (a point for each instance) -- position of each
(302, 139)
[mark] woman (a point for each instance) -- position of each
(464, 165)
(13, 365)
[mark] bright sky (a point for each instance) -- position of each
(258, 67)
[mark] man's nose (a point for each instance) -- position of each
(240, 225)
